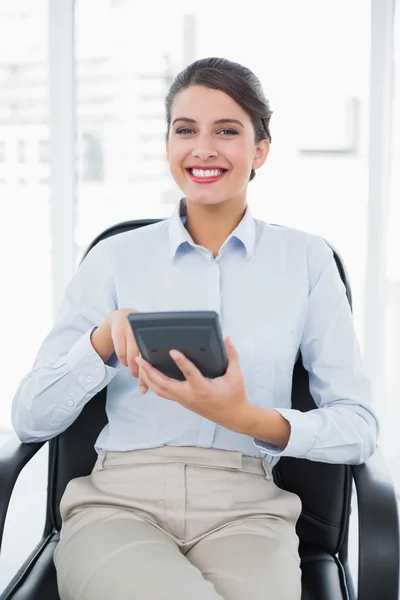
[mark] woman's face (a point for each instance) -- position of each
(197, 140)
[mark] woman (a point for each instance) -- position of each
(181, 502)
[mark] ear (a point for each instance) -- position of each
(261, 153)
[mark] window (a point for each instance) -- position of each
(28, 38)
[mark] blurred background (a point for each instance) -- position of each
(82, 87)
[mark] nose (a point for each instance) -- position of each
(205, 149)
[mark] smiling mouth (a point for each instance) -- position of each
(204, 178)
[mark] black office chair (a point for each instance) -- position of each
(325, 491)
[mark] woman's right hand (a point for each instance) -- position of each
(124, 343)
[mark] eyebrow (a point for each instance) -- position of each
(220, 121)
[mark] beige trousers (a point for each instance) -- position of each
(178, 523)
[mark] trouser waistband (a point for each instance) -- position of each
(207, 457)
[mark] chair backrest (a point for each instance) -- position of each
(325, 489)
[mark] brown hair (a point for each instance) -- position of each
(235, 80)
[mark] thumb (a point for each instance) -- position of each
(233, 357)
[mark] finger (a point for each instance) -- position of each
(233, 356)
(190, 371)
(157, 381)
(119, 341)
(142, 386)
(132, 354)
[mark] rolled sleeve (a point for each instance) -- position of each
(303, 433)
(82, 351)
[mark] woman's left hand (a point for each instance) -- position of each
(222, 400)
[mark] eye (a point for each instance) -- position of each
(183, 130)
(230, 131)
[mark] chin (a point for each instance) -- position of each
(202, 199)
(205, 199)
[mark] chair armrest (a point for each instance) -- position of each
(378, 527)
(14, 455)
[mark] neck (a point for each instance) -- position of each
(209, 226)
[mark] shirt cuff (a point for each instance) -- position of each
(303, 433)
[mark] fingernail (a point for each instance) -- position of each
(142, 389)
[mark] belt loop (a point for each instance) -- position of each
(267, 469)
(99, 466)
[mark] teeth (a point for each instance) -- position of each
(206, 173)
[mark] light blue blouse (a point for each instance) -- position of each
(277, 290)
